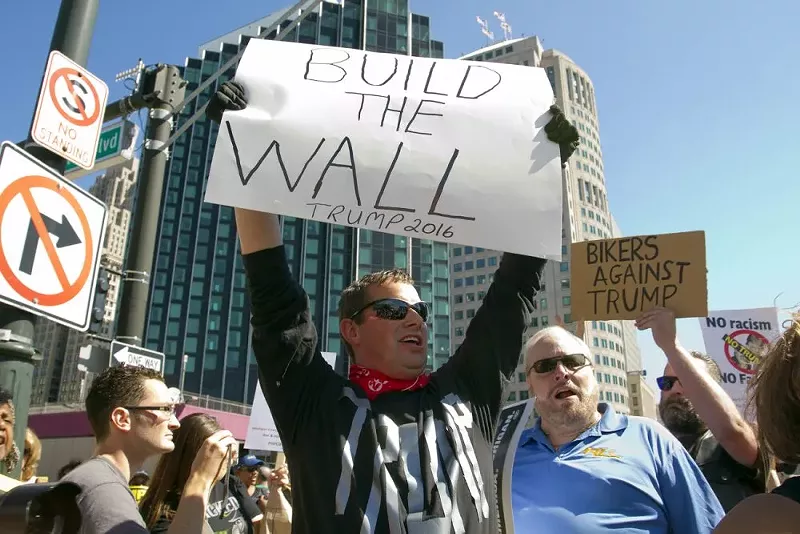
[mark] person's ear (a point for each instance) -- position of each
(121, 419)
(350, 331)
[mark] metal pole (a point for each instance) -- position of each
(72, 36)
(166, 82)
(183, 373)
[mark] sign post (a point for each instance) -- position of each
(131, 355)
(69, 114)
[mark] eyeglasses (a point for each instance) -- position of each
(665, 383)
(572, 362)
(168, 409)
(395, 309)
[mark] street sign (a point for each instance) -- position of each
(51, 237)
(116, 145)
(69, 113)
(124, 354)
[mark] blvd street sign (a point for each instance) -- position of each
(116, 145)
(51, 236)
(70, 110)
(131, 355)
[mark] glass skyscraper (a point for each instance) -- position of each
(198, 304)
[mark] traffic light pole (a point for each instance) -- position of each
(166, 83)
(72, 36)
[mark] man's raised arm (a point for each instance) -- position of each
(292, 373)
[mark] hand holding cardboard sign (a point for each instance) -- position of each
(661, 322)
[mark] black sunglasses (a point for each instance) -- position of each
(572, 362)
(665, 383)
(395, 309)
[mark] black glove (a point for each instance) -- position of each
(229, 97)
(560, 130)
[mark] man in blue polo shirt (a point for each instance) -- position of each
(585, 468)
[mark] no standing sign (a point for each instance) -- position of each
(69, 114)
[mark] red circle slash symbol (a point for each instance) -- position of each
(79, 88)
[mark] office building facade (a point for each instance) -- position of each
(56, 377)
(198, 304)
(586, 217)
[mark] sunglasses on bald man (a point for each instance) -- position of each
(571, 362)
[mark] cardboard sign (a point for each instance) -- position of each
(510, 425)
(624, 277)
(736, 340)
(448, 150)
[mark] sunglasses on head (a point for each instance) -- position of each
(395, 309)
(665, 383)
(572, 362)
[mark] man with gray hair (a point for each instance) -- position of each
(585, 468)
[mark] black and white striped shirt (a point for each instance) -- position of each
(415, 462)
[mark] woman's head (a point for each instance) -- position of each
(173, 468)
(32, 454)
(7, 449)
(775, 395)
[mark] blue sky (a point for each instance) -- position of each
(698, 106)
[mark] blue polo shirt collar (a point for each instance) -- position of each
(610, 421)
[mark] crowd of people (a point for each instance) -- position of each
(393, 448)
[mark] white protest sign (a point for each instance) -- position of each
(447, 150)
(735, 339)
(262, 434)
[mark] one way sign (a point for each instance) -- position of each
(51, 237)
(131, 355)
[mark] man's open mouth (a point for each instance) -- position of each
(413, 340)
(565, 393)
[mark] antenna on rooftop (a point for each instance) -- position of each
(485, 30)
(504, 25)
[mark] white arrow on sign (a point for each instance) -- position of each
(126, 357)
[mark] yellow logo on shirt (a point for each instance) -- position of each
(601, 452)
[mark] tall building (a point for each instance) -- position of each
(56, 378)
(586, 216)
(198, 305)
(643, 401)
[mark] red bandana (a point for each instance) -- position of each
(374, 382)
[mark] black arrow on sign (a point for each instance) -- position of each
(63, 231)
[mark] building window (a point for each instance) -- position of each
(468, 250)
(457, 267)
(458, 282)
(480, 264)
(492, 261)
(564, 267)
(458, 314)
(459, 331)
(544, 304)
(457, 251)
(565, 283)
(565, 300)
(469, 281)
(468, 265)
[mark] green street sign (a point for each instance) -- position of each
(109, 145)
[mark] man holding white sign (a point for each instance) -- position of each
(393, 449)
